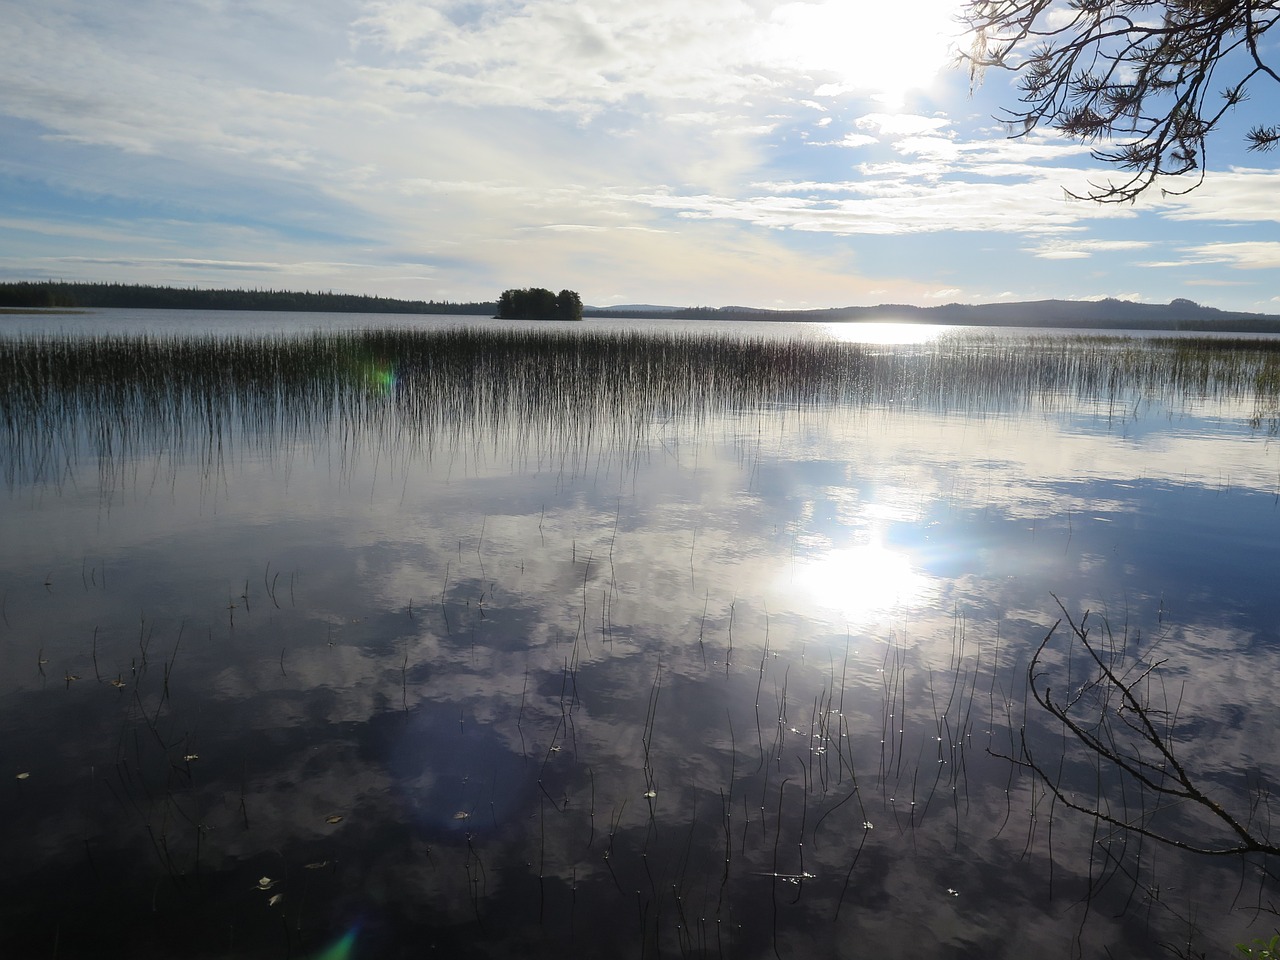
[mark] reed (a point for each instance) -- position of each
(114, 396)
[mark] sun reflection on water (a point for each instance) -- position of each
(886, 333)
(861, 582)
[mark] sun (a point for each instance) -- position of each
(881, 50)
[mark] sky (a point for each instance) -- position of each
(745, 152)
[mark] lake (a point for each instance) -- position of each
(334, 636)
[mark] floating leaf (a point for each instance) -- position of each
(275, 899)
(953, 892)
(71, 676)
(650, 794)
(189, 757)
(24, 776)
(266, 883)
(333, 819)
(118, 683)
(316, 866)
(461, 815)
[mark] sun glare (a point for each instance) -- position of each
(886, 50)
(859, 583)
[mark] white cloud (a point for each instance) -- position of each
(929, 148)
(1244, 255)
(584, 57)
(808, 186)
(571, 228)
(900, 124)
(548, 55)
(949, 185)
(1082, 249)
(897, 207)
(856, 140)
(1241, 195)
(850, 140)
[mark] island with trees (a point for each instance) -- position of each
(537, 303)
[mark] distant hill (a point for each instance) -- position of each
(635, 308)
(1106, 314)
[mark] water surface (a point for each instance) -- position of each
(716, 650)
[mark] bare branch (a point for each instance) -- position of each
(1137, 75)
(1112, 717)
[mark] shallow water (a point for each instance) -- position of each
(729, 678)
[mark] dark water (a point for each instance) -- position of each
(731, 678)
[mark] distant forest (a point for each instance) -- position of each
(85, 295)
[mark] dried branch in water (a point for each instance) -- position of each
(1111, 715)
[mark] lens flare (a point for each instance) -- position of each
(381, 376)
(342, 949)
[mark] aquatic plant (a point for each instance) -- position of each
(1260, 949)
(114, 396)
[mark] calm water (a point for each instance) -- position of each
(725, 667)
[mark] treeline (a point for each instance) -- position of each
(536, 303)
(53, 293)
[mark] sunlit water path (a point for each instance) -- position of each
(324, 638)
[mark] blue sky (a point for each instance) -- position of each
(719, 152)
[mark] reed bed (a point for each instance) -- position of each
(119, 396)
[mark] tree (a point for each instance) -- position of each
(1140, 75)
(568, 305)
(538, 303)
